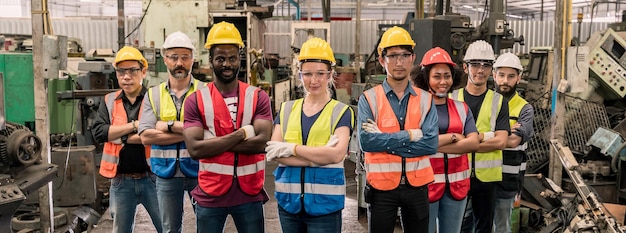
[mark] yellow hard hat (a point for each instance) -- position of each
(316, 49)
(223, 33)
(130, 54)
(395, 36)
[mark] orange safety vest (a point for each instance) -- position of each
(384, 170)
(216, 174)
(111, 151)
(451, 169)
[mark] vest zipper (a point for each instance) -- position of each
(302, 188)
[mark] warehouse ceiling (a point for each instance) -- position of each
(521, 9)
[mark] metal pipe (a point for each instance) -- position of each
(120, 24)
(439, 7)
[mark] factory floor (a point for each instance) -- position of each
(351, 222)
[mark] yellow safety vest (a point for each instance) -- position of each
(487, 166)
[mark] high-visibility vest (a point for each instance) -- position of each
(384, 170)
(514, 161)
(164, 157)
(451, 169)
(487, 166)
(111, 151)
(321, 189)
(216, 173)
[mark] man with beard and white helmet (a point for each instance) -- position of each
(227, 125)
(161, 127)
(507, 73)
(491, 112)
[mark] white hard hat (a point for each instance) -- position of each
(479, 50)
(177, 40)
(508, 60)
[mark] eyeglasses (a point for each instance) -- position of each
(129, 71)
(317, 74)
(402, 57)
(479, 65)
(175, 57)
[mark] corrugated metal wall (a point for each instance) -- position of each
(102, 33)
(93, 33)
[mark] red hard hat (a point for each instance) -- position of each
(437, 55)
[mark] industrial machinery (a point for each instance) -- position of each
(21, 170)
(550, 209)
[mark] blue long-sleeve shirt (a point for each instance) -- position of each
(398, 143)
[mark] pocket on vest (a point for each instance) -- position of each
(163, 168)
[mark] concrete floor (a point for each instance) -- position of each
(351, 222)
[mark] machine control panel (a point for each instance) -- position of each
(10, 193)
(607, 62)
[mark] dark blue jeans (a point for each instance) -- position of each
(413, 204)
(305, 223)
(481, 203)
(248, 218)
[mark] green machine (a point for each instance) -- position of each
(17, 69)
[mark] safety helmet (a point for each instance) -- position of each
(437, 55)
(316, 49)
(395, 36)
(129, 54)
(508, 60)
(223, 33)
(177, 40)
(479, 50)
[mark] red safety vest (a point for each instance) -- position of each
(457, 175)
(111, 151)
(216, 174)
(384, 170)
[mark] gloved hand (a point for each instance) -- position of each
(488, 135)
(248, 130)
(276, 149)
(117, 141)
(371, 127)
(415, 134)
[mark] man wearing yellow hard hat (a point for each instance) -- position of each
(227, 124)
(397, 140)
(124, 158)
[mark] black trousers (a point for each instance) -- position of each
(413, 203)
(481, 204)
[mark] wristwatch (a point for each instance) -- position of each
(170, 124)
(454, 139)
(124, 139)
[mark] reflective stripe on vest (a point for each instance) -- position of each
(321, 188)
(111, 151)
(488, 165)
(457, 165)
(521, 147)
(385, 170)
(164, 157)
(215, 175)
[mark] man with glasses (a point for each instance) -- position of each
(397, 140)
(491, 112)
(162, 128)
(124, 158)
(227, 125)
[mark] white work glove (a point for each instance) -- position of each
(117, 141)
(276, 149)
(248, 130)
(371, 127)
(488, 135)
(415, 134)
(332, 141)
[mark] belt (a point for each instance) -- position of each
(135, 176)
